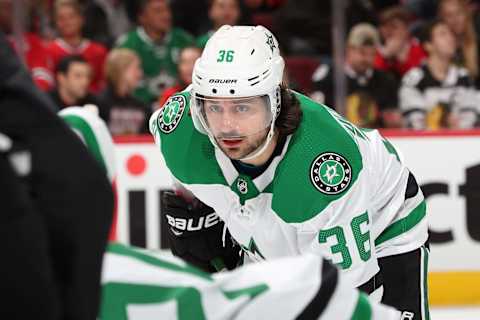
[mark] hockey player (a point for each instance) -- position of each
(289, 176)
(163, 287)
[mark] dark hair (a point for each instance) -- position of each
(141, 4)
(65, 63)
(427, 30)
(290, 112)
(75, 5)
(211, 2)
(393, 13)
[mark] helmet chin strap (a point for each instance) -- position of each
(263, 146)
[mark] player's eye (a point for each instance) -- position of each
(242, 108)
(214, 108)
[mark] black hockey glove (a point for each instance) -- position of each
(195, 234)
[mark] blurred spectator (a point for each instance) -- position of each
(400, 51)
(438, 94)
(106, 20)
(69, 21)
(458, 16)
(157, 44)
(220, 12)
(73, 75)
(188, 56)
(123, 113)
(29, 47)
(372, 94)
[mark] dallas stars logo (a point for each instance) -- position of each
(330, 173)
(171, 114)
(270, 41)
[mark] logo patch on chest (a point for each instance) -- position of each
(330, 173)
(242, 186)
(171, 114)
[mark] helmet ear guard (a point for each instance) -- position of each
(196, 118)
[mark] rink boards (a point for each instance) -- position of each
(446, 165)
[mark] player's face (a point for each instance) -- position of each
(238, 125)
(186, 62)
(69, 22)
(77, 80)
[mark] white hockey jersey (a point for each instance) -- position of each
(140, 284)
(335, 190)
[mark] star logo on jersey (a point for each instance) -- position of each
(270, 41)
(330, 173)
(252, 251)
(242, 186)
(171, 113)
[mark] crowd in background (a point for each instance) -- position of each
(408, 63)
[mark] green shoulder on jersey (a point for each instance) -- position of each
(190, 156)
(295, 198)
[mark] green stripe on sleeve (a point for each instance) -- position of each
(403, 225)
(363, 310)
(252, 292)
(425, 283)
(89, 137)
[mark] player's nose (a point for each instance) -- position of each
(228, 120)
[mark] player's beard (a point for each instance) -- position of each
(247, 146)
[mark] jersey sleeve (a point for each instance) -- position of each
(398, 206)
(178, 105)
(383, 213)
(139, 283)
(343, 233)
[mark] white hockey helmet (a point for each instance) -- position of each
(238, 62)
